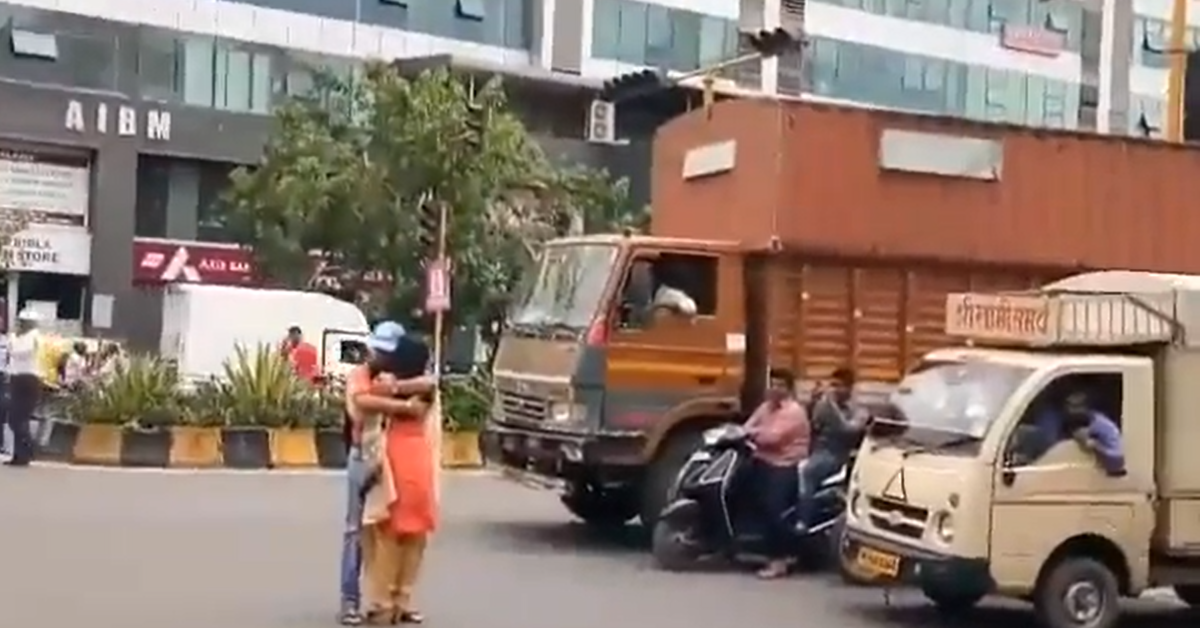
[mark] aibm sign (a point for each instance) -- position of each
(123, 120)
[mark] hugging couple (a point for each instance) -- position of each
(392, 506)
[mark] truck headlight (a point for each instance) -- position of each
(855, 504)
(943, 527)
(563, 412)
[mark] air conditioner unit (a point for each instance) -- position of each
(602, 122)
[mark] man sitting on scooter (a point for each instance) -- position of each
(837, 429)
(779, 430)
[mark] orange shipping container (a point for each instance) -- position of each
(860, 182)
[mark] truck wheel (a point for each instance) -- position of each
(1189, 593)
(602, 508)
(951, 602)
(1078, 592)
(661, 474)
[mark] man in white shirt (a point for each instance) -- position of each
(24, 385)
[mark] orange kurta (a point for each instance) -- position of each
(410, 459)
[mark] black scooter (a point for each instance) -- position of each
(708, 515)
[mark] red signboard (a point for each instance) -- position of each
(1033, 40)
(437, 286)
(160, 261)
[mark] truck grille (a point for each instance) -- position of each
(897, 518)
(513, 406)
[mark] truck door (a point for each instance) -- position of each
(658, 358)
(1048, 491)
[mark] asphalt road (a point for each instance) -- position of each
(112, 549)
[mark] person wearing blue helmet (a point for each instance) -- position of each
(367, 393)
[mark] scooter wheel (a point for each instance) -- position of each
(674, 546)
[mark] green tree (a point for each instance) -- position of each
(349, 167)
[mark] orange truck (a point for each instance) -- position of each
(808, 236)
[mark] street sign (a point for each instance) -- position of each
(437, 286)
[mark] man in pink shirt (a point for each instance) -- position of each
(780, 431)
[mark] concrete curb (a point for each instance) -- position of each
(245, 448)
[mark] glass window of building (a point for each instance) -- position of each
(199, 63)
(652, 35)
(885, 77)
(982, 16)
(1151, 39)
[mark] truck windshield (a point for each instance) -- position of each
(958, 400)
(565, 287)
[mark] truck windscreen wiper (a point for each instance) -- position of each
(951, 443)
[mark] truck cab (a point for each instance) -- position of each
(602, 389)
(974, 481)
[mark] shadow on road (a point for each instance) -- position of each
(1139, 614)
(545, 536)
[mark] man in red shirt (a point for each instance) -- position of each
(302, 355)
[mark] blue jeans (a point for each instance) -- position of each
(356, 470)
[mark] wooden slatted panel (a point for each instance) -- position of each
(786, 311)
(926, 325)
(994, 281)
(879, 324)
(826, 320)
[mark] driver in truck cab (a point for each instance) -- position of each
(779, 430)
(658, 281)
(1091, 429)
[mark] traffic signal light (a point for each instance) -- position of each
(635, 85)
(1191, 97)
(430, 223)
(476, 125)
(773, 43)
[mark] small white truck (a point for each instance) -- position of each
(948, 497)
(203, 326)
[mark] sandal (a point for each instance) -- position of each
(381, 617)
(412, 617)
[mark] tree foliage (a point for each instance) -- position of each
(349, 167)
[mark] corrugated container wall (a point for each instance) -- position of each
(877, 316)
(861, 182)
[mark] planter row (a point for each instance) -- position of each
(230, 447)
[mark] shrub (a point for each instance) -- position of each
(260, 388)
(142, 392)
(466, 402)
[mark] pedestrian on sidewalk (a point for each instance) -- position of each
(24, 386)
(368, 395)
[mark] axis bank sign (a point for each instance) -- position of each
(161, 261)
(158, 261)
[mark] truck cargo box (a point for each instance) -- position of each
(859, 182)
(878, 316)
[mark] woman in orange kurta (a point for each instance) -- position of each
(394, 543)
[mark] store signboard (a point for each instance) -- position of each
(163, 261)
(51, 190)
(49, 249)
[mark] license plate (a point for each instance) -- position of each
(877, 563)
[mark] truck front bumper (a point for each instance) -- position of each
(886, 563)
(550, 457)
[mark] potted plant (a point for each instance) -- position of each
(264, 405)
(328, 414)
(465, 406)
(124, 417)
(196, 440)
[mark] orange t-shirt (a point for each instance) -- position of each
(304, 361)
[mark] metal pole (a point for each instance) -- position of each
(1176, 48)
(435, 429)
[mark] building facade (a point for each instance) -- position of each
(123, 118)
(122, 121)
